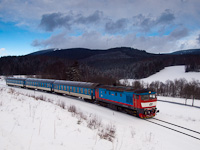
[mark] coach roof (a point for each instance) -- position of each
(77, 84)
(14, 78)
(40, 80)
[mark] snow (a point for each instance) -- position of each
(169, 73)
(29, 124)
(180, 100)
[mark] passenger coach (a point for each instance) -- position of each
(12, 81)
(84, 90)
(42, 84)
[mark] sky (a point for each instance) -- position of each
(157, 26)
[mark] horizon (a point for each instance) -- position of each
(156, 26)
(55, 49)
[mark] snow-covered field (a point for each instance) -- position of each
(169, 73)
(30, 124)
(189, 102)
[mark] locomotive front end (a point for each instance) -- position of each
(146, 102)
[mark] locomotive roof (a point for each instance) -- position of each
(77, 84)
(125, 88)
(40, 80)
(14, 78)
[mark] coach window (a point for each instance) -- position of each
(115, 94)
(109, 93)
(70, 88)
(105, 92)
(81, 90)
(88, 91)
(85, 91)
(120, 95)
(74, 89)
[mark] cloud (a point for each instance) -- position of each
(179, 33)
(148, 23)
(116, 27)
(93, 18)
(49, 22)
(166, 17)
(97, 40)
(55, 20)
(198, 39)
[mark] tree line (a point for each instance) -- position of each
(178, 88)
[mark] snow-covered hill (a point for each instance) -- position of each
(31, 120)
(169, 73)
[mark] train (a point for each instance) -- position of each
(137, 102)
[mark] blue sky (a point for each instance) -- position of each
(17, 40)
(157, 26)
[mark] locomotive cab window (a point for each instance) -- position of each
(144, 97)
(136, 96)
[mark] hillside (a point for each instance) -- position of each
(83, 53)
(102, 66)
(186, 52)
(170, 73)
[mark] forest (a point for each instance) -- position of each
(178, 88)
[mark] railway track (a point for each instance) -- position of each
(177, 128)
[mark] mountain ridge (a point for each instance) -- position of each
(83, 53)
